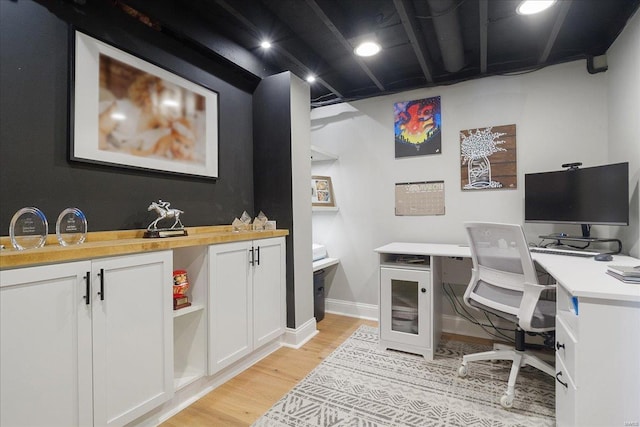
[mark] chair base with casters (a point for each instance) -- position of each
(504, 282)
(519, 357)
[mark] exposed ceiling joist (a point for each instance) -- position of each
(303, 68)
(426, 42)
(197, 32)
(295, 60)
(557, 25)
(405, 11)
(340, 37)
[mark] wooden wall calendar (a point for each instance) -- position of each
(420, 198)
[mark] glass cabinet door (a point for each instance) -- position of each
(404, 306)
(405, 297)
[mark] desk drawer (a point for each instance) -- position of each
(566, 345)
(565, 396)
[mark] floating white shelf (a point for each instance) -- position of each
(325, 209)
(320, 155)
(324, 263)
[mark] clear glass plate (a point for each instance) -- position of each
(28, 229)
(71, 227)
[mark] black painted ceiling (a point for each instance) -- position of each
(425, 42)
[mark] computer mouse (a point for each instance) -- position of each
(603, 257)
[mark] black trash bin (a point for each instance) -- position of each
(318, 294)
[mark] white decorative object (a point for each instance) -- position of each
(71, 227)
(28, 229)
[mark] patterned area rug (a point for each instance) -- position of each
(360, 385)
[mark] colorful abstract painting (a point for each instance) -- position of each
(417, 127)
(488, 158)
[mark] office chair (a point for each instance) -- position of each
(504, 282)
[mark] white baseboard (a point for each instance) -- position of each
(450, 324)
(296, 338)
(351, 309)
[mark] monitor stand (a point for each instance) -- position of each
(585, 239)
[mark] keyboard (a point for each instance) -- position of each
(557, 251)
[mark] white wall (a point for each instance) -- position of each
(560, 114)
(623, 86)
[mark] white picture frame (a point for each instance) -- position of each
(130, 113)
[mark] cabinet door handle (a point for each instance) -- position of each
(251, 259)
(101, 293)
(87, 281)
(423, 290)
(258, 255)
(558, 375)
(558, 345)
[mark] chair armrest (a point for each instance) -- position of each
(530, 299)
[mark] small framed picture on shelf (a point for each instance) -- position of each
(322, 191)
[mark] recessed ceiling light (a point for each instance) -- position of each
(367, 49)
(529, 7)
(311, 78)
(265, 44)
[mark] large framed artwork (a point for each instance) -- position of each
(488, 158)
(130, 113)
(417, 127)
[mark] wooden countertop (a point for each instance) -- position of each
(121, 242)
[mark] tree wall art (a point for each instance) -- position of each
(488, 158)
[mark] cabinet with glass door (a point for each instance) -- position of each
(409, 310)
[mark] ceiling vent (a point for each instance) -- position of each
(447, 26)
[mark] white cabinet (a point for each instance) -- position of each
(404, 317)
(45, 345)
(588, 332)
(269, 306)
(132, 336)
(246, 298)
(409, 304)
(101, 359)
(229, 304)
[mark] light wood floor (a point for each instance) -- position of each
(243, 399)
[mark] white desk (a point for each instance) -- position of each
(597, 332)
(577, 275)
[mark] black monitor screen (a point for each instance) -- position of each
(595, 195)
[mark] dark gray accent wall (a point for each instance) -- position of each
(273, 192)
(35, 169)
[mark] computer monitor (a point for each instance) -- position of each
(585, 196)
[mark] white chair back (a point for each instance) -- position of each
(504, 279)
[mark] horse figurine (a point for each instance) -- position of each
(163, 211)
